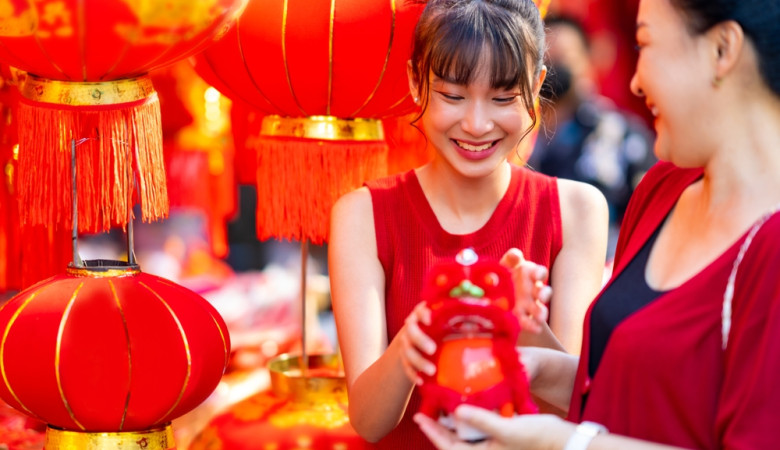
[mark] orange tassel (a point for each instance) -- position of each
(299, 180)
(408, 146)
(10, 276)
(122, 141)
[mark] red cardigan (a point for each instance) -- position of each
(664, 376)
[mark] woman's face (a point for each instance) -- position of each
(674, 74)
(474, 127)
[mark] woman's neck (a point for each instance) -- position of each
(742, 176)
(462, 204)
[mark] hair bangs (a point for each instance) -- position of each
(468, 41)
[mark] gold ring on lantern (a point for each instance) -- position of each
(155, 439)
(77, 93)
(327, 128)
(103, 268)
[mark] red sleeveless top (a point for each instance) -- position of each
(410, 241)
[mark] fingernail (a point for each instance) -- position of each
(463, 412)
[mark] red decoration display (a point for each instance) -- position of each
(109, 349)
(321, 73)
(197, 146)
(300, 411)
(85, 62)
(476, 331)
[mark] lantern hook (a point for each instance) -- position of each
(98, 264)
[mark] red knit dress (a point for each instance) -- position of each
(410, 241)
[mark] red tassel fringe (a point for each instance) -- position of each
(299, 180)
(105, 166)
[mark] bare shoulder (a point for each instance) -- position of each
(352, 222)
(580, 199)
(357, 202)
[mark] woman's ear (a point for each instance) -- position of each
(414, 85)
(728, 40)
(540, 81)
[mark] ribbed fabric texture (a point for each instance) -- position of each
(410, 241)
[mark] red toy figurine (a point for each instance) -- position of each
(476, 333)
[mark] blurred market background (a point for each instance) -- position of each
(214, 240)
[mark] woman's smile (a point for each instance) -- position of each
(475, 151)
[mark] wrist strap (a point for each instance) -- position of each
(583, 434)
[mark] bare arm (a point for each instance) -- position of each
(374, 372)
(551, 374)
(577, 273)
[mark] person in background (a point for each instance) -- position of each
(476, 70)
(680, 348)
(585, 136)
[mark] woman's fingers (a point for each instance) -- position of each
(491, 424)
(416, 344)
(441, 437)
(531, 290)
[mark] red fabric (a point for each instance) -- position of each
(664, 376)
(410, 242)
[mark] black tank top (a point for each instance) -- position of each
(627, 294)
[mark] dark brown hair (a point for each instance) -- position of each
(759, 20)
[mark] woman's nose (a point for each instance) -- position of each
(635, 88)
(477, 120)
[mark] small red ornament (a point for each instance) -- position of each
(476, 332)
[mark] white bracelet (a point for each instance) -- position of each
(583, 434)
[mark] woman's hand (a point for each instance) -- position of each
(416, 345)
(524, 431)
(531, 290)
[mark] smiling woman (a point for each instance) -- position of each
(475, 71)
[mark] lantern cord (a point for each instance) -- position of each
(304, 355)
(74, 204)
(133, 183)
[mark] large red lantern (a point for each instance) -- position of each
(85, 63)
(323, 73)
(106, 354)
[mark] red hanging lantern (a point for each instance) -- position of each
(106, 354)
(86, 62)
(323, 73)
(298, 412)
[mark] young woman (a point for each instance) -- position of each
(681, 346)
(475, 70)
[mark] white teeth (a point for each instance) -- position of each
(474, 148)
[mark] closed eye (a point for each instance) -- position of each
(505, 100)
(449, 96)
